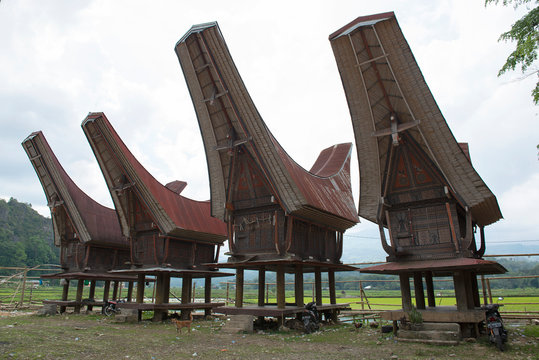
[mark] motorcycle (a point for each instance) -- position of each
(311, 318)
(496, 331)
(111, 307)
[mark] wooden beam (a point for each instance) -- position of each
(239, 287)
(281, 298)
(405, 292)
(318, 285)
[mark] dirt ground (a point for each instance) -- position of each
(94, 337)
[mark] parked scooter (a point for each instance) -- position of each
(496, 330)
(311, 318)
(111, 307)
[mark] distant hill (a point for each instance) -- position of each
(26, 237)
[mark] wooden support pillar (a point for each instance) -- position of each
(261, 286)
(239, 287)
(318, 285)
(65, 294)
(281, 298)
(161, 295)
(418, 290)
(430, 289)
(299, 290)
(484, 287)
(78, 298)
(115, 290)
(459, 282)
(187, 283)
(23, 285)
(91, 295)
(140, 292)
(332, 294)
(207, 294)
(475, 290)
(331, 280)
(130, 291)
(298, 286)
(106, 290)
(405, 291)
(140, 288)
(489, 291)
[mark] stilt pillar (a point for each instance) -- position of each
(106, 291)
(261, 286)
(207, 294)
(281, 298)
(91, 295)
(78, 298)
(187, 286)
(239, 287)
(115, 290)
(298, 286)
(130, 291)
(318, 285)
(331, 280)
(161, 295)
(461, 297)
(430, 289)
(418, 290)
(405, 291)
(65, 294)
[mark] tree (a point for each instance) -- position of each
(526, 34)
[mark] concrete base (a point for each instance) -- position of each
(48, 309)
(127, 316)
(239, 323)
(438, 333)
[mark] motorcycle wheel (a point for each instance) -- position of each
(499, 342)
(109, 310)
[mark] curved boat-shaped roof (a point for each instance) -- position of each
(228, 118)
(92, 221)
(174, 214)
(382, 81)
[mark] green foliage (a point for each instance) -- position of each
(526, 34)
(415, 316)
(26, 238)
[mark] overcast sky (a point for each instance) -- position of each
(62, 59)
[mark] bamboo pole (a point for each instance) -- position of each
(23, 285)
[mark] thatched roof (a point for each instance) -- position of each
(174, 214)
(92, 222)
(380, 78)
(228, 118)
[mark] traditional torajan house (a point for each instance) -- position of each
(87, 233)
(280, 217)
(169, 235)
(416, 180)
